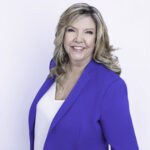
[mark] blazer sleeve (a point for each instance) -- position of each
(116, 118)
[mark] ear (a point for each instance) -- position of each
(52, 63)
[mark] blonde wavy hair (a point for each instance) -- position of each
(102, 51)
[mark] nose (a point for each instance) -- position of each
(78, 38)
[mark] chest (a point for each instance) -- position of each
(61, 93)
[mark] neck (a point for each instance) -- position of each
(76, 67)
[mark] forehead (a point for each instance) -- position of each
(83, 21)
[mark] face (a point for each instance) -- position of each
(79, 39)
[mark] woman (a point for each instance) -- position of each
(83, 103)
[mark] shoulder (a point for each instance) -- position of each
(106, 78)
(52, 63)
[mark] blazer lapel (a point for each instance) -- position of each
(73, 95)
(41, 92)
(69, 101)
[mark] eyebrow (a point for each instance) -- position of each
(85, 28)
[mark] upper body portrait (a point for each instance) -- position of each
(83, 103)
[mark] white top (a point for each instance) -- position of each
(46, 109)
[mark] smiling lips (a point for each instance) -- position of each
(78, 48)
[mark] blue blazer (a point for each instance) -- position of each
(95, 113)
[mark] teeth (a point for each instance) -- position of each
(75, 47)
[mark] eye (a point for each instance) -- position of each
(70, 30)
(90, 32)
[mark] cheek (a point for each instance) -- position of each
(65, 40)
(91, 42)
(68, 38)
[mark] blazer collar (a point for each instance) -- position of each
(71, 98)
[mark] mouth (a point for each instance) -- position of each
(77, 48)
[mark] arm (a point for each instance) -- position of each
(116, 119)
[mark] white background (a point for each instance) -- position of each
(27, 31)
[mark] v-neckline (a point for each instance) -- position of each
(55, 94)
(69, 101)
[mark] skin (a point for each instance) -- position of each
(81, 32)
